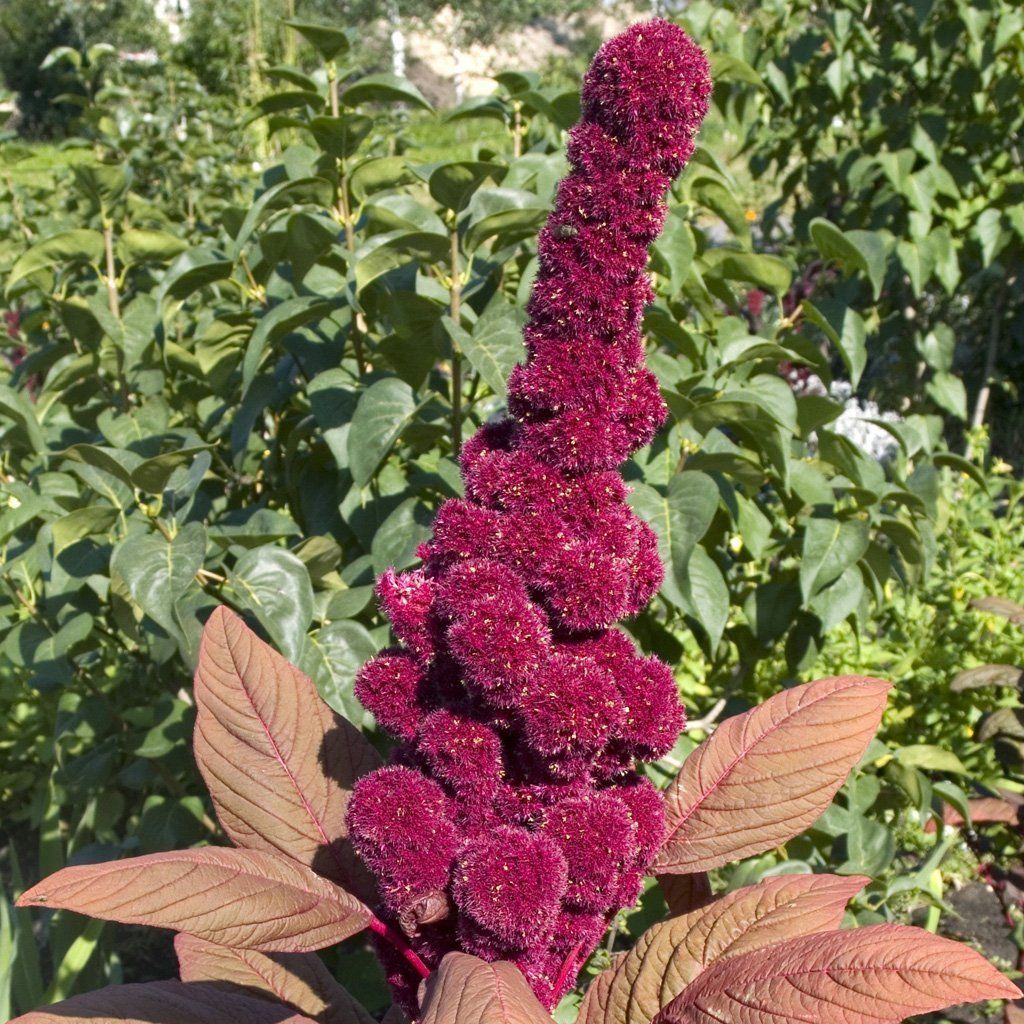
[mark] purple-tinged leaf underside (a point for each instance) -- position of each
(876, 975)
(466, 990)
(301, 980)
(164, 1002)
(278, 762)
(243, 898)
(670, 955)
(765, 776)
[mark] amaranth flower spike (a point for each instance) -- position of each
(512, 823)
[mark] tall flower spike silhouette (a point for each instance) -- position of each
(512, 823)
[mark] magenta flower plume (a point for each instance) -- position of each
(512, 823)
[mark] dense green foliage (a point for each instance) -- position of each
(905, 119)
(247, 384)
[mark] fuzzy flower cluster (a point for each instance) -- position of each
(512, 823)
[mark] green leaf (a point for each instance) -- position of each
(333, 398)
(679, 516)
(931, 758)
(274, 585)
(74, 962)
(26, 976)
(950, 460)
(378, 173)
(383, 253)
(167, 823)
(137, 246)
(79, 245)
(309, 237)
(846, 330)
(489, 107)
(494, 210)
(384, 88)
(947, 262)
(937, 348)
(918, 261)
(395, 542)
(61, 53)
(276, 324)
(719, 200)
(103, 184)
(153, 474)
(673, 250)
(766, 272)
(830, 547)
(947, 391)
(191, 271)
(333, 656)
(285, 193)
(839, 599)
(495, 345)
(867, 848)
(82, 523)
(157, 571)
(293, 99)
(15, 407)
(727, 68)
(340, 136)
(991, 234)
(328, 41)
(117, 463)
(706, 595)
(172, 722)
(454, 184)
(384, 410)
(857, 250)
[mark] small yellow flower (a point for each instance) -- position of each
(750, 215)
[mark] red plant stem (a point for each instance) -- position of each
(378, 927)
(563, 974)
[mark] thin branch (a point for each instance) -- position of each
(709, 719)
(456, 315)
(991, 354)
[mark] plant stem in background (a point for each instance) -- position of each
(290, 53)
(455, 312)
(345, 214)
(991, 352)
(517, 130)
(16, 207)
(113, 302)
(255, 59)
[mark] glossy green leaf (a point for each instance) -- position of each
(328, 41)
(383, 411)
(333, 656)
(453, 184)
(830, 546)
(158, 570)
(78, 245)
(495, 210)
(855, 250)
(138, 245)
(383, 88)
(274, 585)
